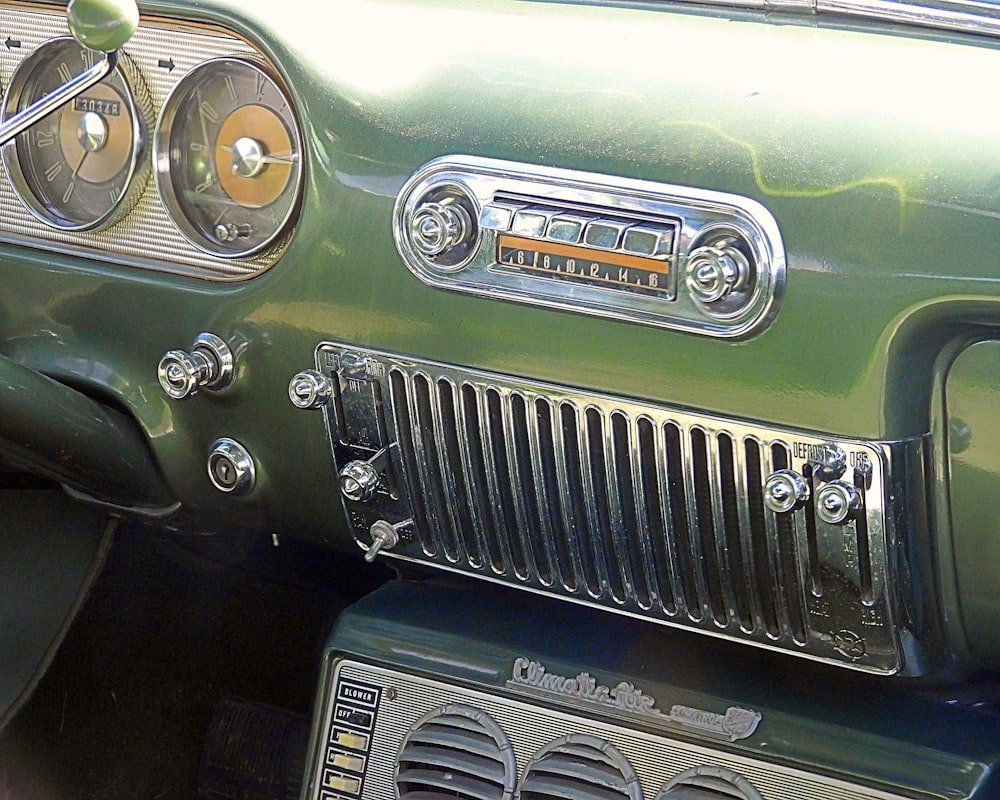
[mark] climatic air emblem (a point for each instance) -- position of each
(625, 699)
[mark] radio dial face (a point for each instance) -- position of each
(79, 167)
(228, 157)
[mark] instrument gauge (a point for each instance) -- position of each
(81, 167)
(228, 157)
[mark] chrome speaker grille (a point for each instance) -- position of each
(637, 508)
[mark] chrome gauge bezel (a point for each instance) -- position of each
(139, 107)
(163, 159)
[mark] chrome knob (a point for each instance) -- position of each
(358, 481)
(310, 389)
(828, 461)
(209, 365)
(436, 227)
(230, 467)
(384, 537)
(837, 502)
(713, 273)
(785, 490)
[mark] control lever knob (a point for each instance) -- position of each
(437, 227)
(310, 389)
(208, 365)
(785, 490)
(713, 273)
(103, 25)
(358, 481)
(384, 535)
(837, 502)
(828, 461)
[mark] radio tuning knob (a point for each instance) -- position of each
(785, 490)
(310, 389)
(438, 227)
(713, 273)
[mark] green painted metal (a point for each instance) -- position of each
(973, 397)
(875, 148)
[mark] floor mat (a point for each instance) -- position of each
(172, 627)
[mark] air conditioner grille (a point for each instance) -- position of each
(648, 510)
(579, 767)
(455, 751)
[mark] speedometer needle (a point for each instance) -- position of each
(264, 158)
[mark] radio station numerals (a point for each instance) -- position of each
(581, 267)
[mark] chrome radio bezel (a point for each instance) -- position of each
(699, 220)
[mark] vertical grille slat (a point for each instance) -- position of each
(405, 421)
(489, 433)
(602, 501)
(472, 451)
(472, 536)
(567, 444)
(552, 521)
(633, 531)
(449, 464)
(426, 440)
(663, 541)
(655, 512)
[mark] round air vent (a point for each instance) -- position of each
(709, 782)
(455, 751)
(579, 767)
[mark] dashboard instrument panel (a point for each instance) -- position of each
(80, 183)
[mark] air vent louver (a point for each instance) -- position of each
(644, 509)
(579, 767)
(709, 782)
(456, 751)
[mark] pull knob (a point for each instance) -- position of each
(385, 536)
(713, 273)
(828, 461)
(310, 389)
(358, 481)
(437, 227)
(837, 502)
(785, 490)
(209, 365)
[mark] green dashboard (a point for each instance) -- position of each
(679, 314)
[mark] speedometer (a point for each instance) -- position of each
(228, 157)
(81, 167)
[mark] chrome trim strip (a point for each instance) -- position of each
(982, 19)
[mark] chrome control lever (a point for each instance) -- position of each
(385, 536)
(102, 25)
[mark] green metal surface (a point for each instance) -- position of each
(875, 149)
(972, 399)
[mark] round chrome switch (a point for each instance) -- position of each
(785, 490)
